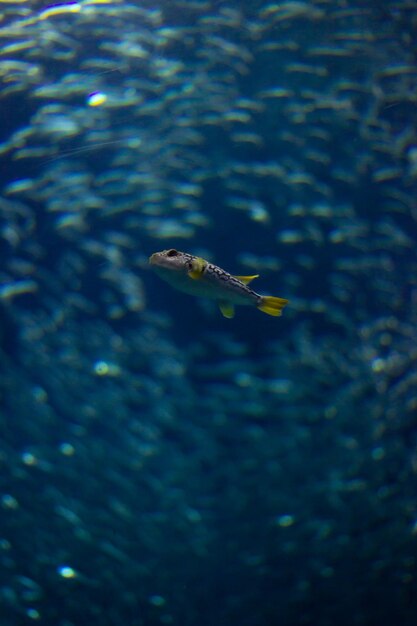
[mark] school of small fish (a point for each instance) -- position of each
(159, 464)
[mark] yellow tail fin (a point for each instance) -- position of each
(271, 305)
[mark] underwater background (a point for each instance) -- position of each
(160, 464)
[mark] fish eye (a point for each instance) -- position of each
(172, 252)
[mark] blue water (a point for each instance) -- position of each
(161, 464)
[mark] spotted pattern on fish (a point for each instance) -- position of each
(198, 277)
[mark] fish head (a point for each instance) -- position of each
(171, 261)
(174, 265)
(178, 268)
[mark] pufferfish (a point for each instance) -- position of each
(198, 277)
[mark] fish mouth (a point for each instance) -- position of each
(153, 259)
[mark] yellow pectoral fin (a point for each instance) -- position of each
(247, 279)
(197, 268)
(272, 306)
(227, 309)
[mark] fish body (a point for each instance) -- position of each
(198, 277)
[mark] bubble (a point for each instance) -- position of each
(102, 368)
(29, 459)
(9, 502)
(96, 99)
(378, 454)
(285, 520)
(66, 449)
(66, 572)
(378, 365)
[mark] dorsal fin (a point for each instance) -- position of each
(227, 309)
(247, 279)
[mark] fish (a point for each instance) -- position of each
(196, 276)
